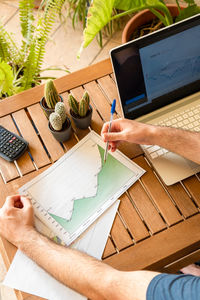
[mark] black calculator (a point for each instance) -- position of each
(12, 146)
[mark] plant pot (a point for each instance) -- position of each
(84, 122)
(64, 134)
(47, 111)
(142, 18)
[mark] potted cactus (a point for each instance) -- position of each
(51, 97)
(59, 124)
(81, 112)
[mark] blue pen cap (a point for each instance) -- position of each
(113, 106)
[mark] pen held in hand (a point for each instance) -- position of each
(109, 128)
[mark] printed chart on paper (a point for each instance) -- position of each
(79, 187)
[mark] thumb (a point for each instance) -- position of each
(26, 202)
(113, 136)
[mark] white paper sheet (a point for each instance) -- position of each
(71, 194)
(27, 276)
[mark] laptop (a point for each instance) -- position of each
(158, 81)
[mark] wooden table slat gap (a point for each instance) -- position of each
(99, 99)
(95, 106)
(113, 77)
(120, 235)
(113, 242)
(153, 220)
(167, 191)
(192, 184)
(190, 196)
(109, 249)
(152, 201)
(182, 199)
(70, 143)
(198, 176)
(109, 88)
(134, 220)
(8, 169)
(39, 121)
(27, 130)
(166, 207)
(44, 146)
(126, 227)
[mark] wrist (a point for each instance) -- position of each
(150, 135)
(28, 235)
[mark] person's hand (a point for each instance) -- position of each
(16, 219)
(126, 130)
(191, 269)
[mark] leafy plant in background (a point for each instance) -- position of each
(100, 13)
(78, 10)
(21, 66)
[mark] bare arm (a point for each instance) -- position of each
(77, 270)
(85, 274)
(185, 143)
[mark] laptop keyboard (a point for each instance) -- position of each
(188, 119)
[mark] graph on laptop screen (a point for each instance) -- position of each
(171, 63)
(151, 74)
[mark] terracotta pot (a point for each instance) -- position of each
(64, 134)
(47, 111)
(142, 18)
(84, 122)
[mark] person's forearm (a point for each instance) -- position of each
(84, 274)
(77, 270)
(185, 143)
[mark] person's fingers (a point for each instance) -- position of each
(26, 202)
(104, 128)
(115, 127)
(113, 136)
(10, 200)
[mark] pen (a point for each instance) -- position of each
(109, 128)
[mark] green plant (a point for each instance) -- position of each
(100, 14)
(79, 108)
(77, 10)
(22, 65)
(50, 94)
(58, 118)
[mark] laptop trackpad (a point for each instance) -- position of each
(173, 168)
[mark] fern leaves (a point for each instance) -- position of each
(26, 62)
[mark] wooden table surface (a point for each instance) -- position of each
(156, 226)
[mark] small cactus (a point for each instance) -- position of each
(51, 95)
(55, 121)
(86, 97)
(73, 104)
(60, 109)
(81, 108)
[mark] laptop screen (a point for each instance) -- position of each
(157, 70)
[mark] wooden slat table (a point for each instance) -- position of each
(156, 226)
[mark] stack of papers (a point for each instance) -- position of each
(73, 200)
